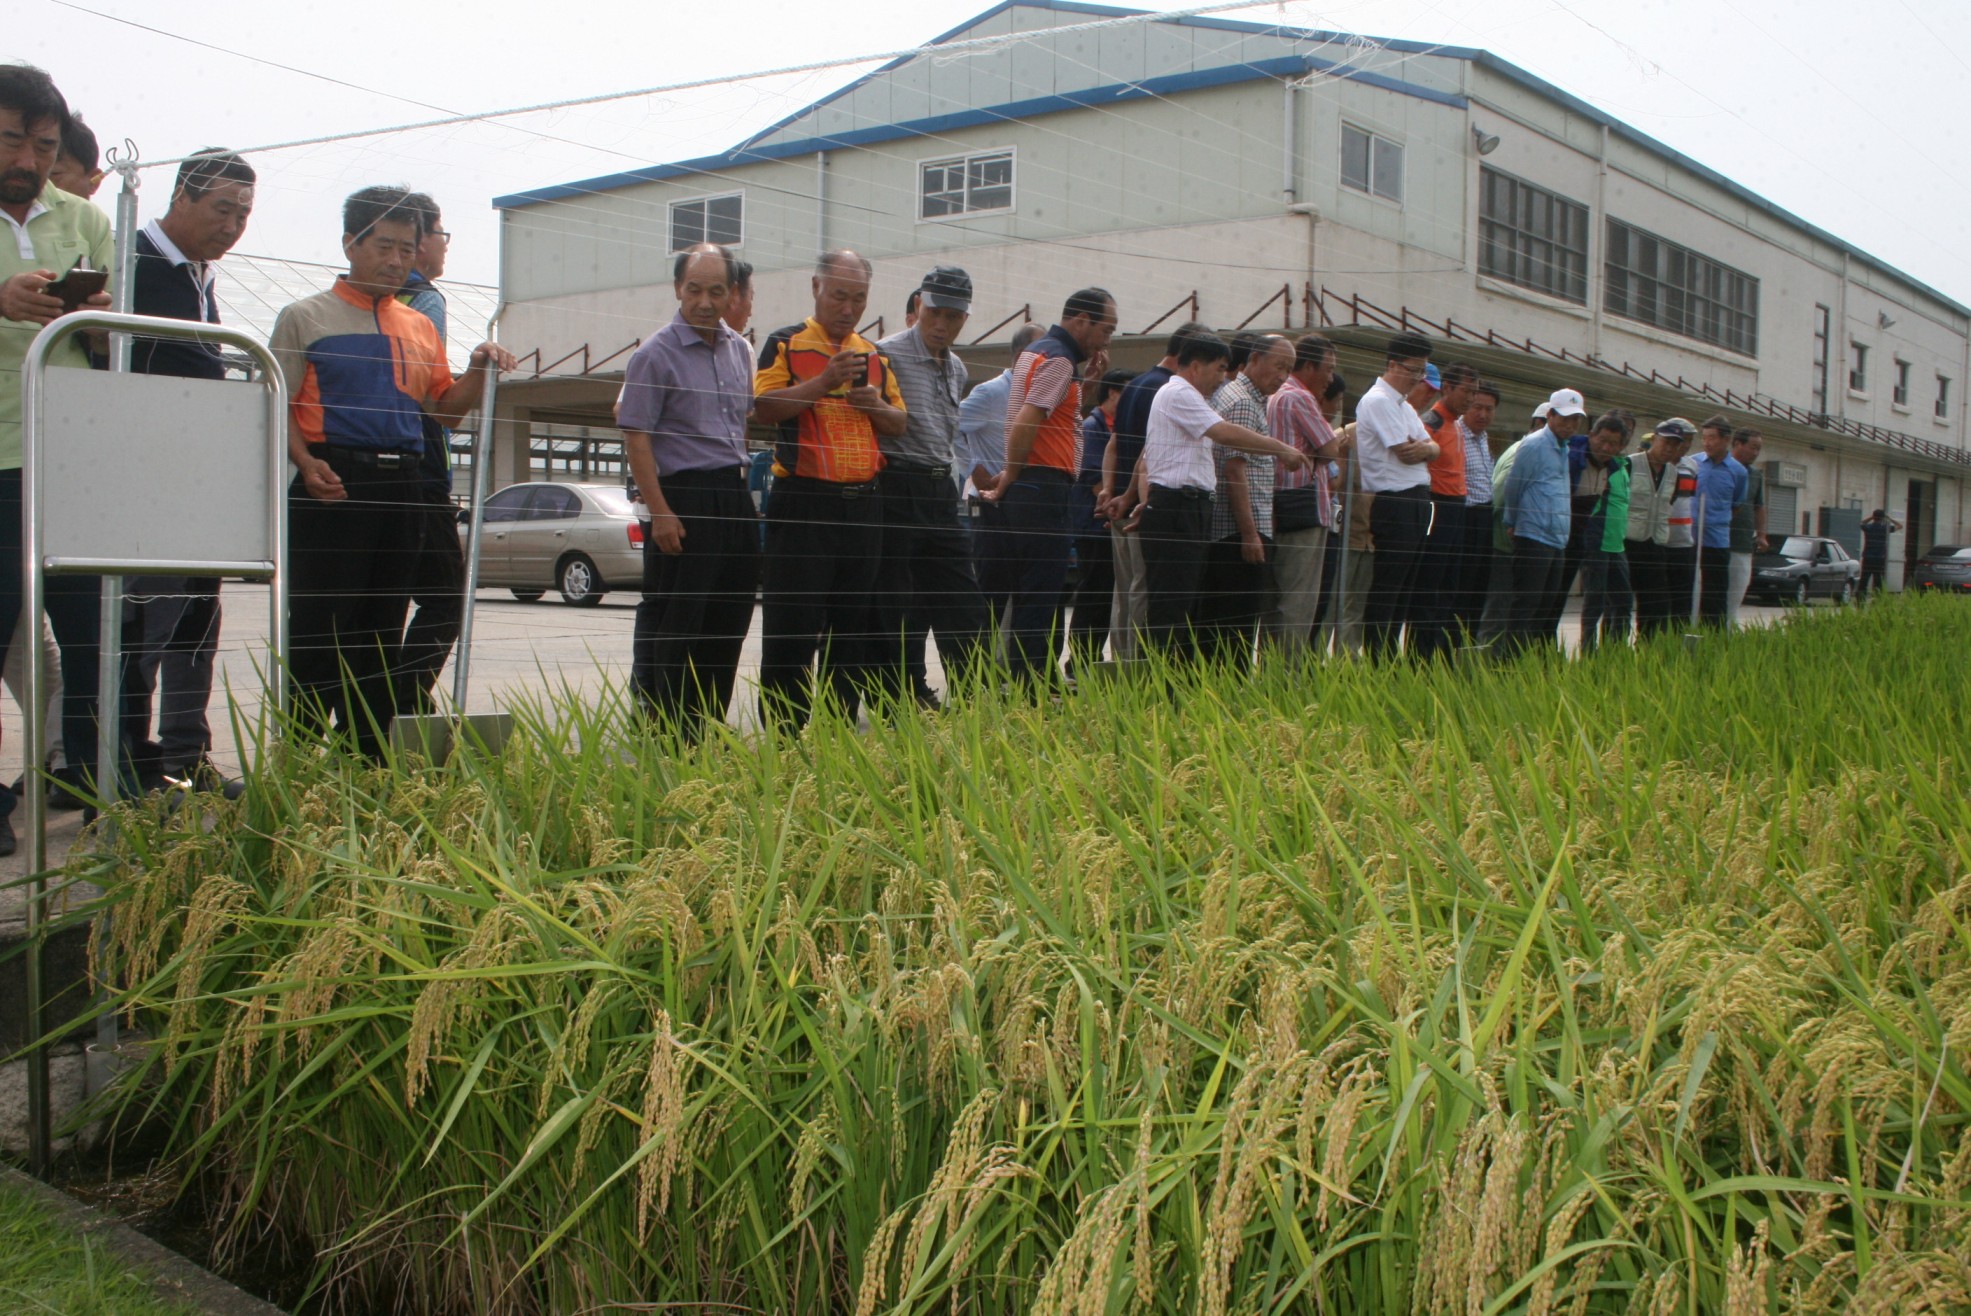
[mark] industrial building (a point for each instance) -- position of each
(1281, 179)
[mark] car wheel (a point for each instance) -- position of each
(1800, 594)
(579, 582)
(528, 595)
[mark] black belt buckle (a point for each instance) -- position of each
(394, 461)
(856, 490)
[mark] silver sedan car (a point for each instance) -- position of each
(581, 539)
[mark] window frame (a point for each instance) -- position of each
(1940, 409)
(1374, 137)
(1690, 295)
(704, 201)
(965, 159)
(1521, 252)
(1858, 371)
(1899, 391)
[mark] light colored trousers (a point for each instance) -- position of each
(1129, 606)
(1737, 580)
(1297, 560)
(15, 675)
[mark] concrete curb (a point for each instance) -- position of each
(171, 1275)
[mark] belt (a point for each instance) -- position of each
(1188, 492)
(809, 484)
(382, 459)
(917, 468)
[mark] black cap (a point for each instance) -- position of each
(948, 288)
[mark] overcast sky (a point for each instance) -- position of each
(1849, 116)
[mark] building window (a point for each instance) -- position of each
(1823, 344)
(1371, 164)
(1654, 280)
(1943, 398)
(707, 219)
(966, 185)
(1532, 237)
(1858, 373)
(1901, 396)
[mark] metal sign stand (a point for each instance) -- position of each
(193, 466)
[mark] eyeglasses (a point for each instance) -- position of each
(439, 234)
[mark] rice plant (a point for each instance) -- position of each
(1637, 984)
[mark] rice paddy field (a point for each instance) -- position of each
(1636, 984)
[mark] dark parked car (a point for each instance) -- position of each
(1804, 567)
(1947, 566)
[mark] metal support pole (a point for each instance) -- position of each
(1338, 600)
(1697, 560)
(482, 450)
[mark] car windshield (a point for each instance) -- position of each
(614, 501)
(1797, 549)
(1946, 551)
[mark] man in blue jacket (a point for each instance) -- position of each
(1535, 507)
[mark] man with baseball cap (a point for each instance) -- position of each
(925, 580)
(1662, 485)
(1535, 505)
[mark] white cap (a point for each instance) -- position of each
(1566, 402)
(1540, 412)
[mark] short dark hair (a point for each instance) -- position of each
(1094, 303)
(1456, 375)
(32, 94)
(742, 273)
(1112, 383)
(370, 206)
(1486, 388)
(826, 263)
(1408, 347)
(208, 167)
(1336, 387)
(911, 302)
(428, 216)
(683, 260)
(79, 143)
(1722, 424)
(1025, 336)
(1183, 334)
(1612, 420)
(1312, 350)
(1245, 346)
(1207, 347)
(1745, 434)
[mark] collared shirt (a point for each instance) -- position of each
(360, 370)
(829, 439)
(1132, 424)
(1242, 404)
(1293, 415)
(1384, 419)
(60, 231)
(1721, 487)
(1447, 468)
(982, 425)
(1534, 500)
(202, 272)
(1176, 453)
(164, 283)
(690, 396)
(1478, 465)
(422, 296)
(1046, 376)
(1744, 517)
(1095, 432)
(933, 388)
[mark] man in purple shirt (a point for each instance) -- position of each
(686, 395)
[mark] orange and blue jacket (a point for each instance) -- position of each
(360, 370)
(830, 440)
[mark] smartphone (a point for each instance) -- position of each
(77, 287)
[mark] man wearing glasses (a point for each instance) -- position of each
(438, 570)
(1394, 451)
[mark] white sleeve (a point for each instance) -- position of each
(1188, 410)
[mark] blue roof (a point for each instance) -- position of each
(754, 150)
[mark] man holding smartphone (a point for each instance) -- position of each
(47, 234)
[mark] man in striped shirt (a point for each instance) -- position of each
(1474, 564)
(1238, 586)
(1303, 501)
(1034, 491)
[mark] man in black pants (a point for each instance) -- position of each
(363, 371)
(438, 571)
(1176, 482)
(1394, 450)
(686, 394)
(171, 623)
(925, 584)
(831, 393)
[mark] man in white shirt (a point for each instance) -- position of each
(1394, 448)
(1181, 479)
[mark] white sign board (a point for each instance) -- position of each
(154, 469)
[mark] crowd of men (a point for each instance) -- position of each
(1215, 505)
